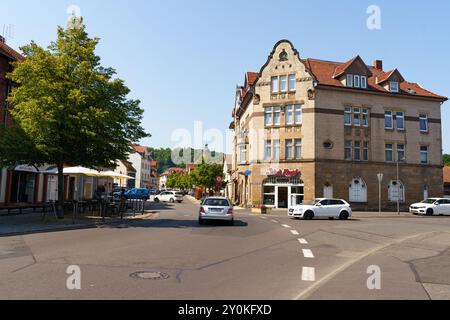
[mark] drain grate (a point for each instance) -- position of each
(149, 275)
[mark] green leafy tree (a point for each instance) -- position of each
(179, 180)
(68, 109)
(205, 175)
(446, 159)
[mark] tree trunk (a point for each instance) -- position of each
(60, 205)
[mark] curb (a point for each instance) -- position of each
(91, 225)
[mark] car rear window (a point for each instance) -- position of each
(216, 203)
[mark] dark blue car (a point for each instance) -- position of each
(137, 194)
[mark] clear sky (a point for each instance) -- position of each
(183, 58)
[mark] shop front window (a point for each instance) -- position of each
(269, 195)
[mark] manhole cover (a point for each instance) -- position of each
(150, 275)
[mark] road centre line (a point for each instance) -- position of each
(309, 274)
(307, 253)
(295, 232)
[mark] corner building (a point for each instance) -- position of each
(308, 128)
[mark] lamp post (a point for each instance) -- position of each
(380, 179)
(398, 184)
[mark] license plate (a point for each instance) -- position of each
(216, 210)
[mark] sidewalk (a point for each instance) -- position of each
(32, 223)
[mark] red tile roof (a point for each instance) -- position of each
(340, 70)
(446, 174)
(325, 70)
(10, 52)
(154, 164)
(129, 166)
(140, 149)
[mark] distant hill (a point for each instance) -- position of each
(176, 158)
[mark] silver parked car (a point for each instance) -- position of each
(216, 208)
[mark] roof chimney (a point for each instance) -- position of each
(378, 64)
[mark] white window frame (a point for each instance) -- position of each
(297, 147)
(289, 113)
(289, 146)
(276, 149)
(292, 82)
(365, 117)
(388, 114)
(363, 82)
(426, 153)
(358, 191)
(267, 149)
(268, 112)
(401, 148)
(357, 81)
(396, 192)
(276, 113)
(391, 149)
(349, 82)
(365, 154)
(424, 117)
(357, 117)
(348, 113)
(400, 117)
(357, 150)
(274, 85)
(394, 86)
(281, 78)
(298, 117)
(348, 145)
(243, 153)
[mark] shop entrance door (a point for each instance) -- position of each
(283, 197)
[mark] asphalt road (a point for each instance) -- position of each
(261, 257)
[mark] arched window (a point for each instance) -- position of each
(425, 192)
(396, 191)
(358, 190)
(328, 191)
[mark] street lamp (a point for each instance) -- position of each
(380, 179)
(402, 159)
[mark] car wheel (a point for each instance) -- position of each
(231, 223)
(430, 212)
(172, 201)
(344, 215)
(179, 201)
(201, 221)
(156, 200)
(309, 215)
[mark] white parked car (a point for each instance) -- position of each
(327, 208)
(431, 206)
(169, 196)
(216, 208)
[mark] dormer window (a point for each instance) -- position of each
(364, 82)
(393, 86)
(349, 80)
(356, 81)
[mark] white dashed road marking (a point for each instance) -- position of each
(274, 221)
(302, 241)
(295, 233)
(286, 226)
(307, 253)
(309, 274)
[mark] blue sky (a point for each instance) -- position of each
(183, 59)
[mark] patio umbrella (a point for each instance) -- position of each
(82, 170)
(115, 175)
